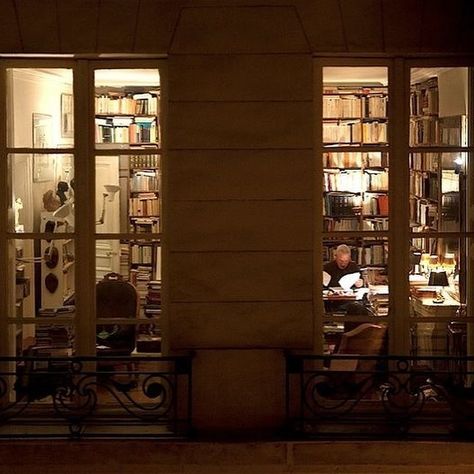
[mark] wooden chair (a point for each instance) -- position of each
(115, 298)
(357, 375)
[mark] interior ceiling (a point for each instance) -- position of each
(374, 75)
(112, 77)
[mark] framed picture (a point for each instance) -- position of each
(67, 116)
(43, 169)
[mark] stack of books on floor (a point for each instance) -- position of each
(53, 339)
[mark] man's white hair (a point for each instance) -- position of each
(343, 249)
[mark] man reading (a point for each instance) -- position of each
(342, 265)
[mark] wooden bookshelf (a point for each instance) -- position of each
(434, 177)
(127, 117)
(354, 116)
(355, 191)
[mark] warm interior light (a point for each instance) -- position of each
(434, 261)
(449, 263)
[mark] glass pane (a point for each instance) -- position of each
(43, 273)
(437, 191)
(137, 262)
(437, 277)
(355, 191)
(40, 107)
(127, 107)
(446, 338)
(355, 278)
(42, 193)
(128, 194)
(438, 107)
(355, 101)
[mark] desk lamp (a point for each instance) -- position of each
(449, 263)
(111, 190)
(415, 259)
(424, 262)
(439, 279)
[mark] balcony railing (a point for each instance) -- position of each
(95, 397)
(374, 397)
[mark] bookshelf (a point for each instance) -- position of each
(127, 116)
(140, 258)
(355, 191)
(354, 116)
(144, 193)
(434, 176)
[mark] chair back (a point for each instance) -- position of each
(116, 298)
(365, 339)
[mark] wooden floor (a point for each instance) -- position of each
(146, 457)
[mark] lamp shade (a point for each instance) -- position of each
(434, 261)
(425, 259)
(438, 279)
(449, 261)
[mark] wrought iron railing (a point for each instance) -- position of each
(95, 397)
(367, 396)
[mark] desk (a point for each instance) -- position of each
(424, 307)
(431, 338)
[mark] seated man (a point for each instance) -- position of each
(342, 265)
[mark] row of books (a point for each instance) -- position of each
(144, 161)
(424, 131)
(351, 159)
(126, 130)
(424, 161)
(144, 225)
(424, 184)
(335, 224)
(341, 203)
(142, 253)
(337, 180)
(355, 180)
(453, 130)
(145, 204)
(375, 205)
(423, 213)
(348, 106)
(133, 104)
(144, 181)
(376, 181)
(355, 132)
(446, 131)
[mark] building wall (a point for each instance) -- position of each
(240, 160)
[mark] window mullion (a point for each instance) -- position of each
(84, 206)
(399, 210)
(4, 282)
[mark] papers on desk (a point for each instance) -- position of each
(346, 282)
(349, 280)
